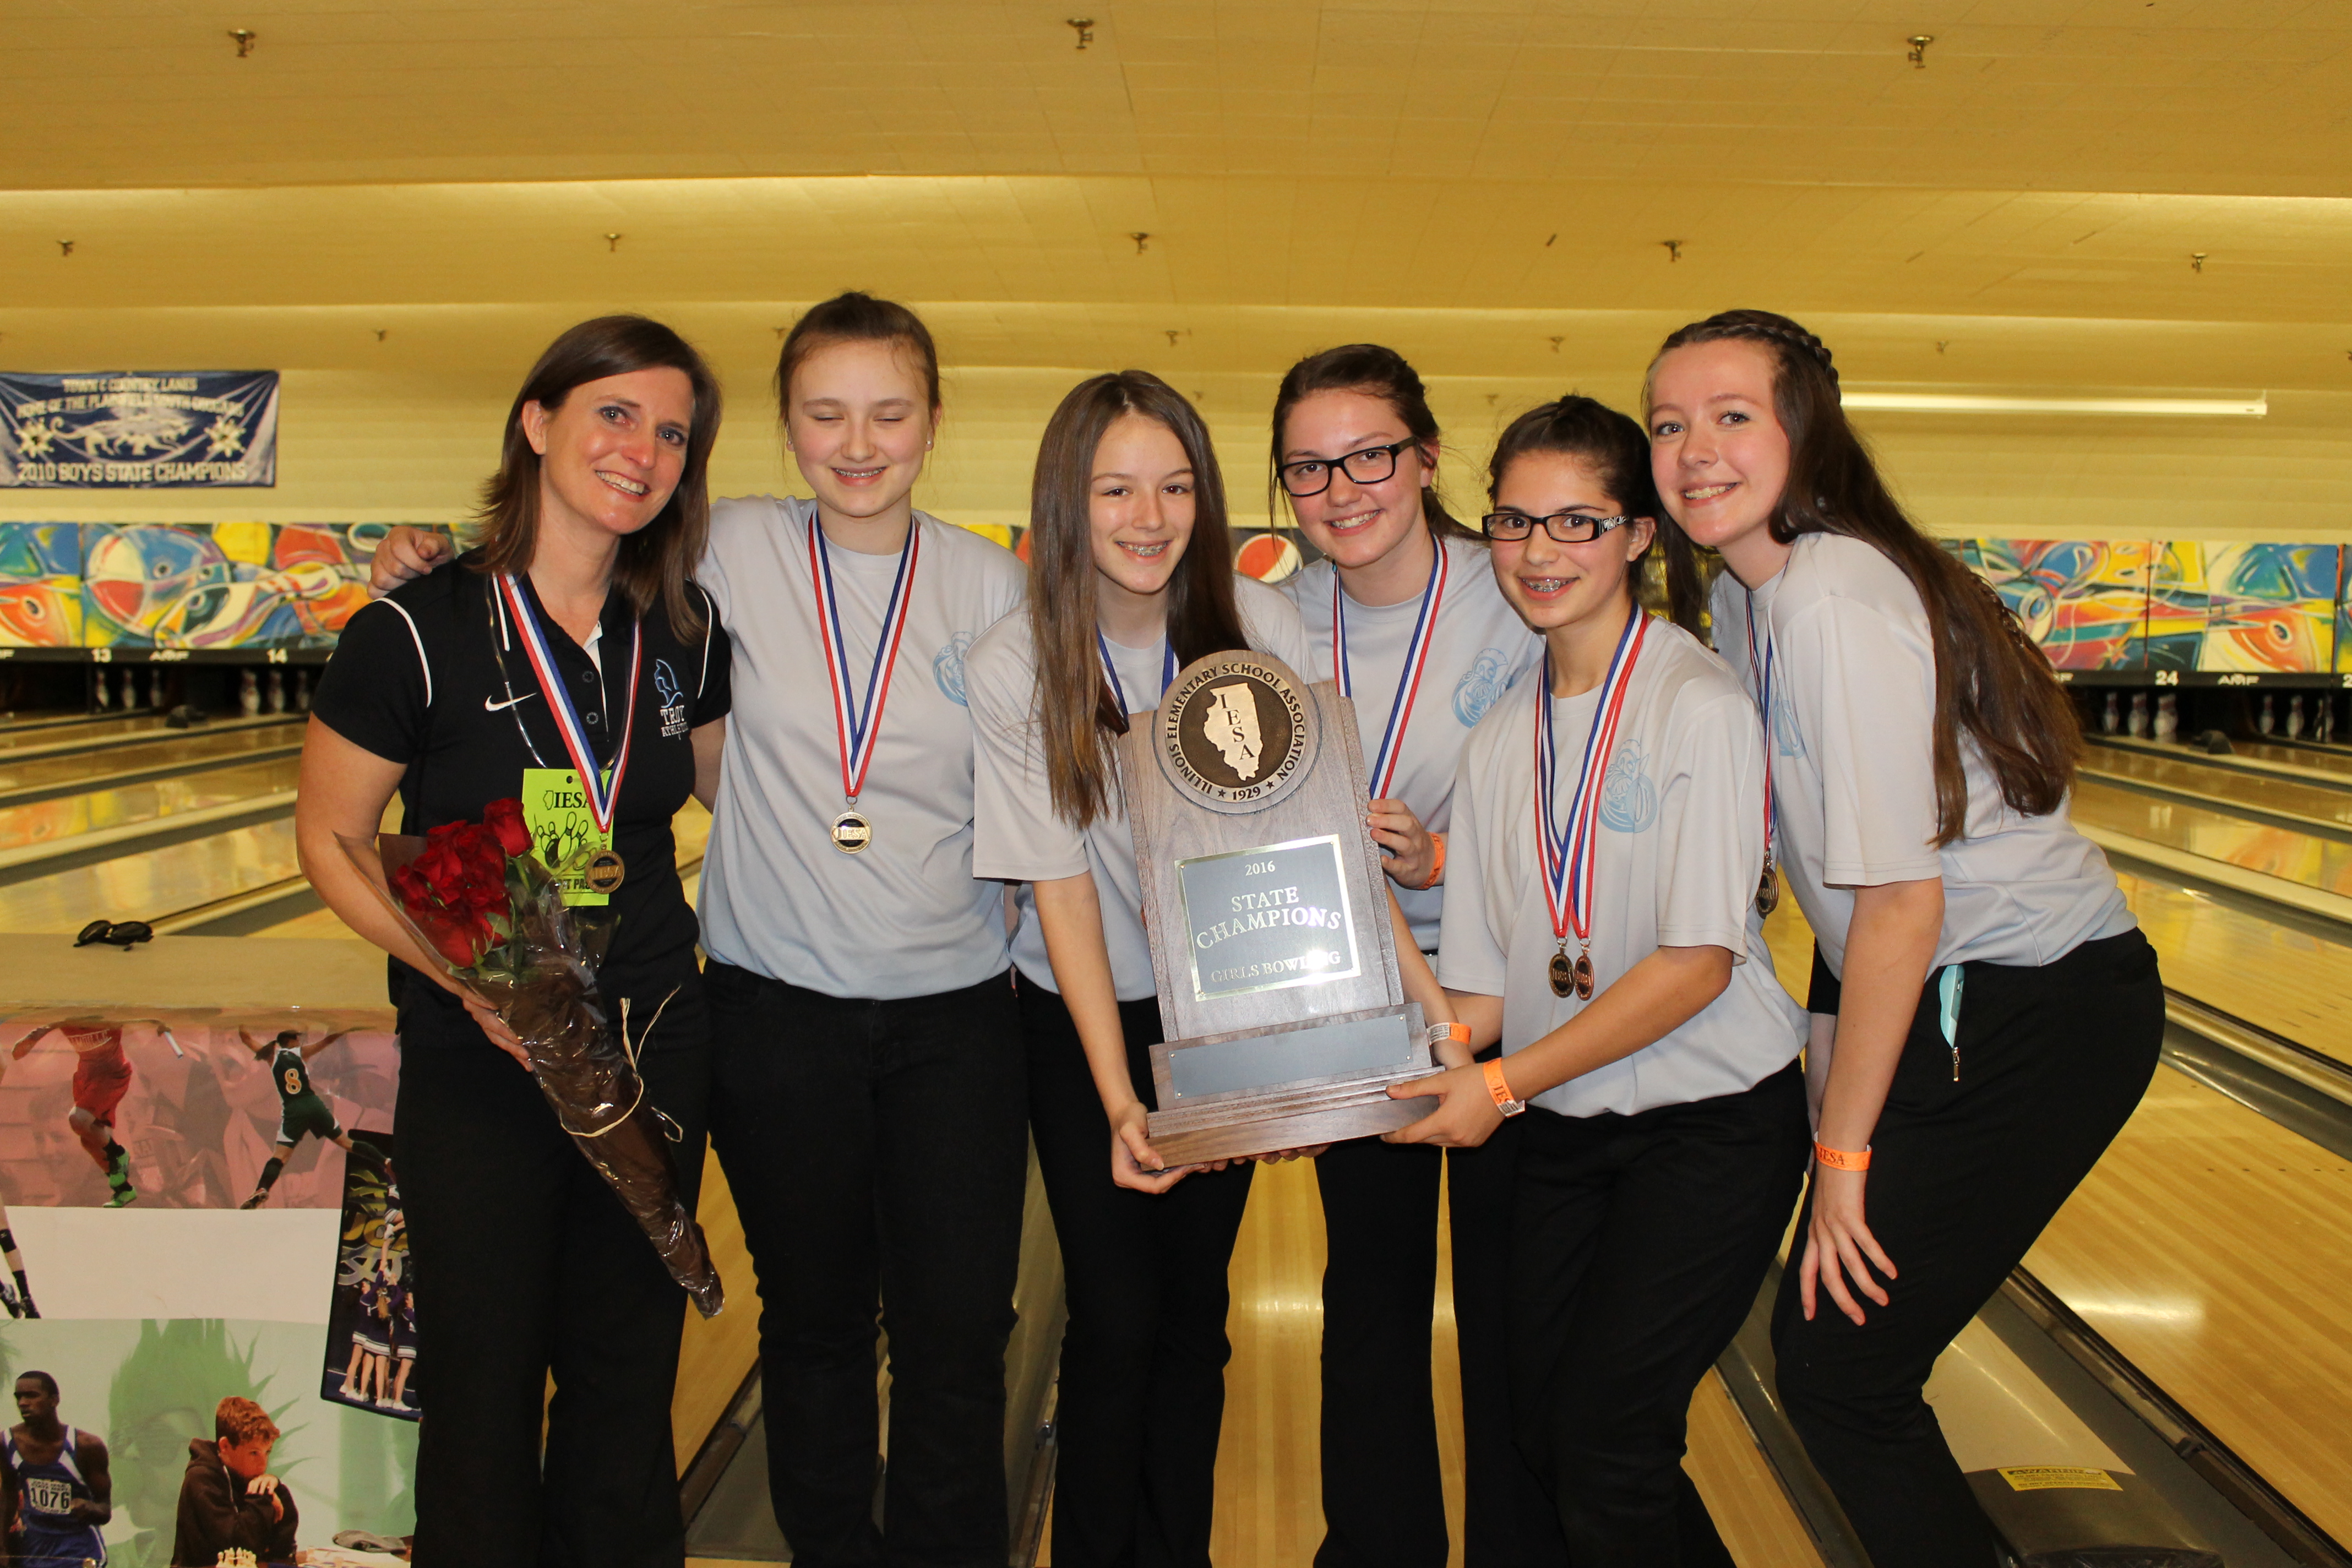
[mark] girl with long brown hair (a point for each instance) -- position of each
(864, 1035)
(1997, 1010)
(1132, 561)
(1402, 612)
(570, 629)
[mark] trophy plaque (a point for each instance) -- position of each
(1269, 916)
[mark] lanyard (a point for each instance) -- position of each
(602, 795)
(1568, 852)
(1768, 890)
(854, 728)
(1416, 656)
(1119, 692)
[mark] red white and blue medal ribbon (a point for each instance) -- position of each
(857, 724)
(603, 795)
(1416, 658)
(1110, 673)
(1768, 890)
(1568, 852)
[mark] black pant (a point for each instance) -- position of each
(877, 1155)
(1382, 1504)
(1963, 1176)
(527, 1262)
(1506, 1515)
(1143, 1359)
(1638, 1246)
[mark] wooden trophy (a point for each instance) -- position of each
(1268, 915)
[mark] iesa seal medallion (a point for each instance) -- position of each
(1236, 732)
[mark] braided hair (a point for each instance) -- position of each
(1993, 685)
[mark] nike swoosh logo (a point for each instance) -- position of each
(490, 707)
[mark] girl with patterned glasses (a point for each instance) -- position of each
(1404, 614)
(1603, 926)
(2001, 1012)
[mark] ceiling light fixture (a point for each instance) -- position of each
(1918, 55)
(1969, 402)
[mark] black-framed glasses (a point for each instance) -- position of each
(1312, 476)
(115, 933)
(1565, 527)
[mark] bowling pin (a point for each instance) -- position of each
(2107, 718)
(2294, 717)
(2265, 722)
(275, 700)
(301, 691)
(249, 694)
(2138, 724)
(2168, 717)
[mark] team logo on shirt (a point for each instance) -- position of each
(1629, 800)
(673, 699)
(947, 667)
(1481, 688)
(1236, 732)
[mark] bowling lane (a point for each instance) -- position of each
(72, 771)
(2212, 1248)
(2279, 852)
(60, 819)
(145, 886)
(130, 730)
(2222, 786)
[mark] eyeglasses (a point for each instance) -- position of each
(115, 933)
(1369, 467)
(1565, 527)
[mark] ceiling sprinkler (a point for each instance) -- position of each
(1918, 55)
(1086, 30)
(246, 39)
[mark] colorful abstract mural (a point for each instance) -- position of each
(40, 584)
(2085, 601)
(223, 585)
(2262, 608)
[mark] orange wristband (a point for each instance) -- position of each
(1505, 1101)
(1839, 1159)
(1437, 867)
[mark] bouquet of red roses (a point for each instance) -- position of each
(476, 895)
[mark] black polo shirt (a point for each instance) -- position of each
(416, 680)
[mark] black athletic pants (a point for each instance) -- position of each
(1964, 1173)
(525, 1262)
(877, 1154)
(1638, 1246)
(1382, 1506)
(1143, 1391)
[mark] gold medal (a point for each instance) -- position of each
(1768, 892)
(604, 872)
(851, 833)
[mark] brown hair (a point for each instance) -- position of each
(1076, 714)
(1993, 683)
(657, 561)
(1619, 451)
(239, 1420)
(1376, 372)
(855, 318)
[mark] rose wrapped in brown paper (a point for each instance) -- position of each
(476, 897)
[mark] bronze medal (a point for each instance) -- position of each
(1562, 973)
(604, 871)
(851, 833)
(1768, 892)
(1582, 975)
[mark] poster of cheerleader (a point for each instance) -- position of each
(370, 1360)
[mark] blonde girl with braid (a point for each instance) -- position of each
(1987, 1012)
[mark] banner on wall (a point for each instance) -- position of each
(117, 430)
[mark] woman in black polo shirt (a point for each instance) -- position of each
(453, 691)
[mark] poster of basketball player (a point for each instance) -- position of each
(371, 1359)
